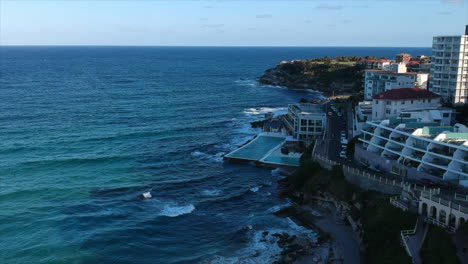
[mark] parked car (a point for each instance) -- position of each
(343, 154)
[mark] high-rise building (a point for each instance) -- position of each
(449, 69)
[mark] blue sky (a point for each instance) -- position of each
(407, 23)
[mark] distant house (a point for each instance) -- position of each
(392, 102)
(403, 57)
(378, 81)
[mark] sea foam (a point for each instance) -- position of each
(174, 211)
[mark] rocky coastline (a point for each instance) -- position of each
(328, 77)
(326, 216)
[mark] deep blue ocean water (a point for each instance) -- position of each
(85, 130)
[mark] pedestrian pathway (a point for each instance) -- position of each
(416, 241)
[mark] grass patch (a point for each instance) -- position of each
(438, 248)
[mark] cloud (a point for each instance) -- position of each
(443, 13)
(329, 7)
(264, 16)
(212, 26)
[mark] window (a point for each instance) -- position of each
(402, 102)
(446, 115)
(376, 102)
(428, 100)
(387, 111)
(388, 102)
(411, 101)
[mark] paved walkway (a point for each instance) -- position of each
(416, 241)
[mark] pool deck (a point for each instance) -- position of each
(264, 150)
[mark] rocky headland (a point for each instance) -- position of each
(331, 77)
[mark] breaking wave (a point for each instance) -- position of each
(174, 211)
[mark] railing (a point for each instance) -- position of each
(444, 202)
(461, 197)
(437, 222)
(395, 201)
(405, 233)
(373, 176)
(324, 159)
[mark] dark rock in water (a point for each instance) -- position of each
(285, 212)
(265, 233)
(257, 124)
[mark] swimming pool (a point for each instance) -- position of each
(257, 148)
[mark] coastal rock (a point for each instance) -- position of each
(327, 77)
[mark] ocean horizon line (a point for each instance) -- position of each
(213, 46)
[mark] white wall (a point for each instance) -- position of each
(384, 109)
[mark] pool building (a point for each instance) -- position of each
(283, 139)
(305, 121)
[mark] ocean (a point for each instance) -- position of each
(85, 130)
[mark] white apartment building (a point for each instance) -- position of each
(415, 149)
(415, 103)
(378, 81)
(390, 103)
(305, 121)
(449, 67)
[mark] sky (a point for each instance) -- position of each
(397, 23)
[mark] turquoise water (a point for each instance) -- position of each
(85, 130)
(258, 148)
(282, 160)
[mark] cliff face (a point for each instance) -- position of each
(327, 77)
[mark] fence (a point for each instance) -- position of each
(395, 201)
(404, 234)
(461, 197)
(327, 163)
(363, 178)
(374, 177)
(442, 201)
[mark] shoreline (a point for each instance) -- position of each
(324, 218)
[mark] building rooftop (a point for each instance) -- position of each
(308, 109)
(405, 94)
(395, 73)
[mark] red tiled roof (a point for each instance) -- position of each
(405, 93)
(413, 63)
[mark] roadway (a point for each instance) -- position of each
(330, 145)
